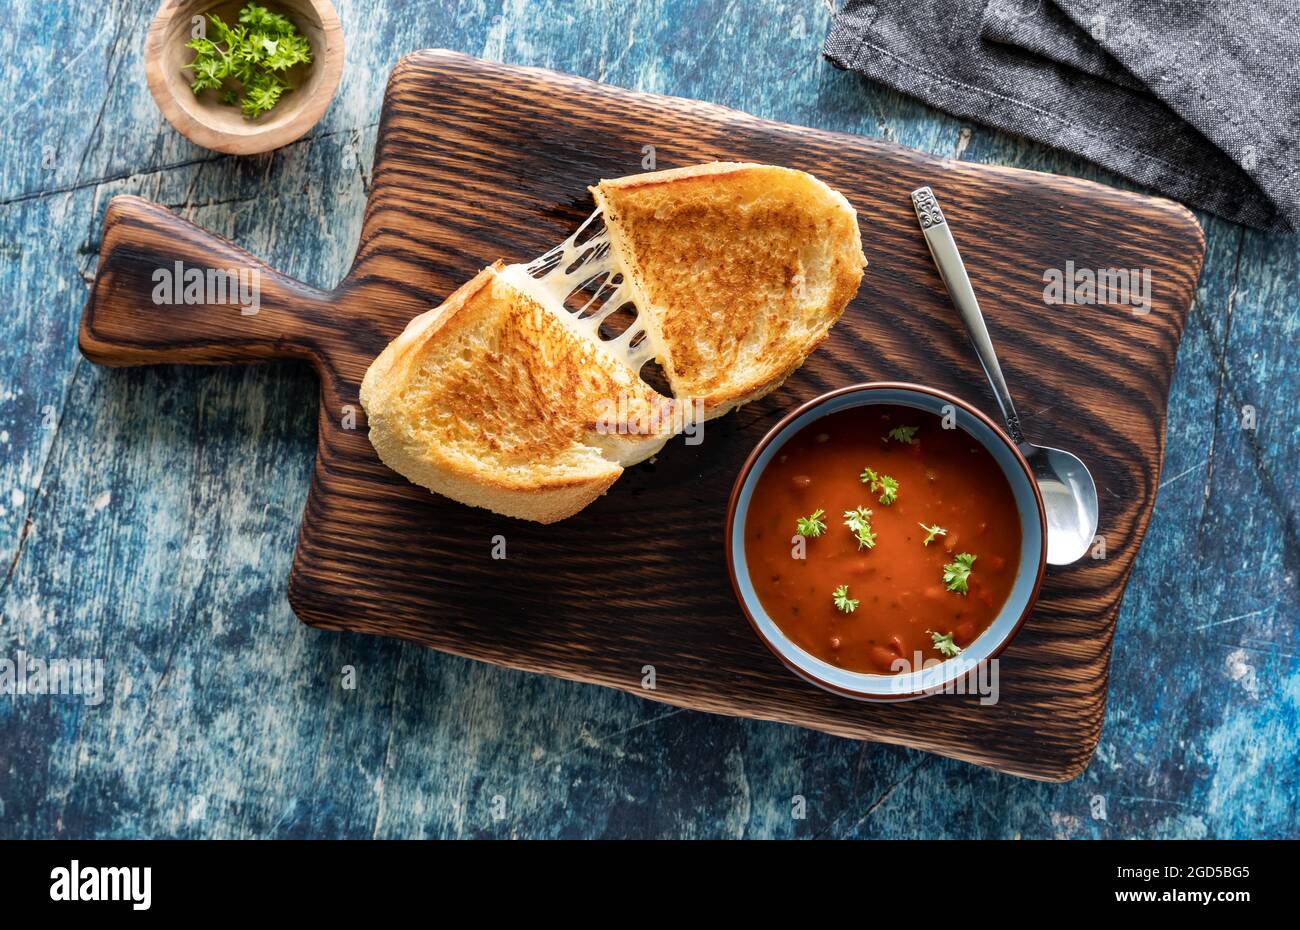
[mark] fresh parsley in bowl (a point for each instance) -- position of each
(243, 77)
(248, 62)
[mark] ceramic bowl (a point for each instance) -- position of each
(935, 676)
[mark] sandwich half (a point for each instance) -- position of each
(738, 270)
(493, 400)
(509, 396)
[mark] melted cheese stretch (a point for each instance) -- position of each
(585, 264)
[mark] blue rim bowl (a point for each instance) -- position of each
(937, 676)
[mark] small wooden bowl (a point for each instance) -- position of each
(208, 122)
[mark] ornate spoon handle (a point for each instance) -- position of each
(943, 249)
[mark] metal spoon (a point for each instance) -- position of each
(1069, 493)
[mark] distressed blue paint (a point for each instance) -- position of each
(149, 516)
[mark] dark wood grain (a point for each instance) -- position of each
(477, 161)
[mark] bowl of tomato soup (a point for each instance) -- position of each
(885, 539)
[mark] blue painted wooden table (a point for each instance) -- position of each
(147, 517)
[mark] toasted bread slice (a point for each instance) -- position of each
(738, 271)
(495, 401)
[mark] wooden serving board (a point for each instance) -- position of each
(477, 161)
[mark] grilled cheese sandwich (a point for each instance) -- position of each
(508, 396)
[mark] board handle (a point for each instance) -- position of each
(168, 291)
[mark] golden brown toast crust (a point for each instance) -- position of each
(491, 400)
(740, 269)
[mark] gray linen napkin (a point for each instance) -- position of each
(1042, 28)
(1200, 101)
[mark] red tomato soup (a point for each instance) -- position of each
(898, 601)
